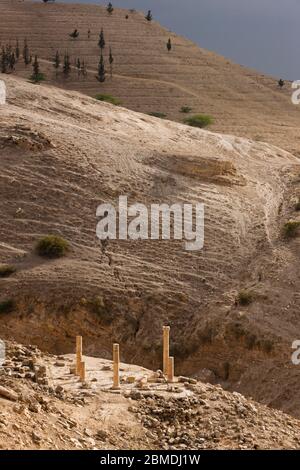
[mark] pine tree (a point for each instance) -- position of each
(75, 34)
(37, 76)
(3, 61)
(17, 50)
(111, 61)
(78, 66)
(26, 55)
(169, 45)
(56, 64)
(89, 34)
(67, 66)
(149, 16)
(12, 61)
(101, 70)
(83, 69)
(101, 42)
(110, 8)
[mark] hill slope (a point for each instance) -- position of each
(146, 77)
(46, 407)
(62, 154)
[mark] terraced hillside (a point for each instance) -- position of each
(146, 77)
(62, 154)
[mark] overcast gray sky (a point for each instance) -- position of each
(258, 33)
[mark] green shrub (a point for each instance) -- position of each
(245, 297)
(290, 229)
(186, 109)
(40, 77)
(52, 246)
(108, 99)
(199, 120)
(158, 115)
(7, 306)
(6, 270)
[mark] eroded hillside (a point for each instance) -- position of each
(62, 154)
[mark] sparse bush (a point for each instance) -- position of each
(251, 341)
(157, 114)
(185, 109)
(245, 297)
(52, 246)
(7, 306)
(267, 345)
(108, 99)
(7, 270)
(199, 120)
(290, 229)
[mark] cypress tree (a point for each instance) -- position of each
(3, 61)
(56, 64)
(169, 45)
(26, 55)
(12, 61)
(101, 70)
(110, 8)
(149, 16)
(37, 76)
(101, 42)
(17, 50)
(67, 66)
(111, 61)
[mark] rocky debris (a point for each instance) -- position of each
(182, 379)
(8, 394)
(25, 138)
(211, 418)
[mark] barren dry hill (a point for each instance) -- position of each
(146, 77)
(62, 154)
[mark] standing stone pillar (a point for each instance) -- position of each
(116, 367)
(78, 354)
(166, 349)
(82, 371)
(171, 370)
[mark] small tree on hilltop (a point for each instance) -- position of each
(3, 61)
(101, 42)
(26, 54)
(17, 51)
(281, 83)
(37, 76)
(67, 66)
(56, 64)
(83, 69)
(12, 61)
(101, 70)
(169, 45)
(149, 16)
(110, 8)
(111, 61)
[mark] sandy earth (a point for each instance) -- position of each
(63, 153)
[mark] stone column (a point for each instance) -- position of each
(82, 371)
(116, 367)
(171, 370)
(166, 348)
(78, 354)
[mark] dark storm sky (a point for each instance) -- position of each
(262, 34)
